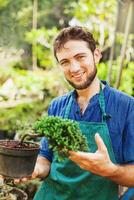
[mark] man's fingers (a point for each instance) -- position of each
(22, 180)
(80, 155)
(34, 175)
(73, 154)
(16, 181)
(2, 177)
(25, 179)
(100, 143)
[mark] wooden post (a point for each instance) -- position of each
(123, 49)
(34, 56)
(113, 47)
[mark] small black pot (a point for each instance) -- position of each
(17, 162)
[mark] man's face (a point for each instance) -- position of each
(78, 63)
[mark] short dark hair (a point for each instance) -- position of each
(73, 33)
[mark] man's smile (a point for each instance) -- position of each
(78, 76)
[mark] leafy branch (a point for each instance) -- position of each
(62, 134)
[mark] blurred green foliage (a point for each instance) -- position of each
(24, 112)
(26, 94)
(32, 90)
(43, 38)
(18, 83)
(127, 81)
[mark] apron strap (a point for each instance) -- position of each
(68, 108)
(102, 105)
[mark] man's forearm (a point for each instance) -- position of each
(123, 175)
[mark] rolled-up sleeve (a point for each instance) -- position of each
(44, 150)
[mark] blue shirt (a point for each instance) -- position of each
(118, 105)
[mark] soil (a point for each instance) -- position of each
(12, 144)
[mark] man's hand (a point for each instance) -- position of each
(98, 163)
(41, 170)
(34, 175)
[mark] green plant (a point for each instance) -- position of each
(5, 192)
(63, 135)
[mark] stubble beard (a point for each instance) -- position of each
(87, 83)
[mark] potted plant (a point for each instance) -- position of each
(17, 158)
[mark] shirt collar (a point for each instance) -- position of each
(95, 97)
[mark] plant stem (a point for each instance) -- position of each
(28, 135)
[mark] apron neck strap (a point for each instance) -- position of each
(102, 104)
(68, 108)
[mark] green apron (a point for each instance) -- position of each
(67, 181)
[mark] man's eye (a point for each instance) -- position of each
(80, 57)
(64, 63)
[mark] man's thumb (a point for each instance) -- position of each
(35, 174)
(100, 144)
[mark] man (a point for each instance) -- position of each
(106, 118)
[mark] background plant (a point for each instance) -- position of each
(25, 93)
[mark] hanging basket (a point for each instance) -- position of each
(17, 159)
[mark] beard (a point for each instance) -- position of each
(87, 83)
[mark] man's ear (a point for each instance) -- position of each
(97, 55)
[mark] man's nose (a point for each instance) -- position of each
(75, 66)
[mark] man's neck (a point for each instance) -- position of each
(93, 89)
(86, 94)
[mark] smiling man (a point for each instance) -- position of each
(105, 116)
(78, 63)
